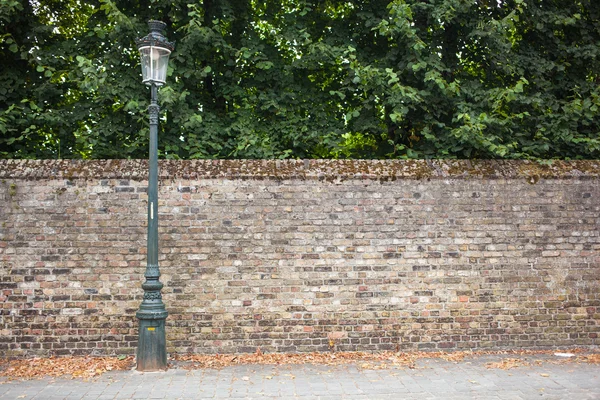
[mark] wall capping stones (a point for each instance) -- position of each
(330, 170)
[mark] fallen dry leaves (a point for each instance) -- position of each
(591, 358)
(378, 360)
(366, 360)
(508, 363)
(578, 356)
(89, 367)
(76, 367)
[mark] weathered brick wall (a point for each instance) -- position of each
(301, 256)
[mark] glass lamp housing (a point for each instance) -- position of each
(154, 51)
(154, 64)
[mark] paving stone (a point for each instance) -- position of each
(460, 381)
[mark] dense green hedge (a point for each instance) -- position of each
(307, 79)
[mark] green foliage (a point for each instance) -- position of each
(304, 79)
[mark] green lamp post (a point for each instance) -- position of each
(152, 344)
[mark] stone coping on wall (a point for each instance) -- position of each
(330, 170)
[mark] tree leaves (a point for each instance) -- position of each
(332, 79)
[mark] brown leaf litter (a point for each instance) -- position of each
(75, 367)
(366, 360)
(90, 367)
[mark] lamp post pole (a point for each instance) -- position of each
(152, 346)
(152, 343)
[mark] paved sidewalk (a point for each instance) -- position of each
(432, 379)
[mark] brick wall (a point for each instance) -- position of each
(301, 255)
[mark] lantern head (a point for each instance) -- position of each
(154, 51)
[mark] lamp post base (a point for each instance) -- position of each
(152, 345)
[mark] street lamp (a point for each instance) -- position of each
(152, 344)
